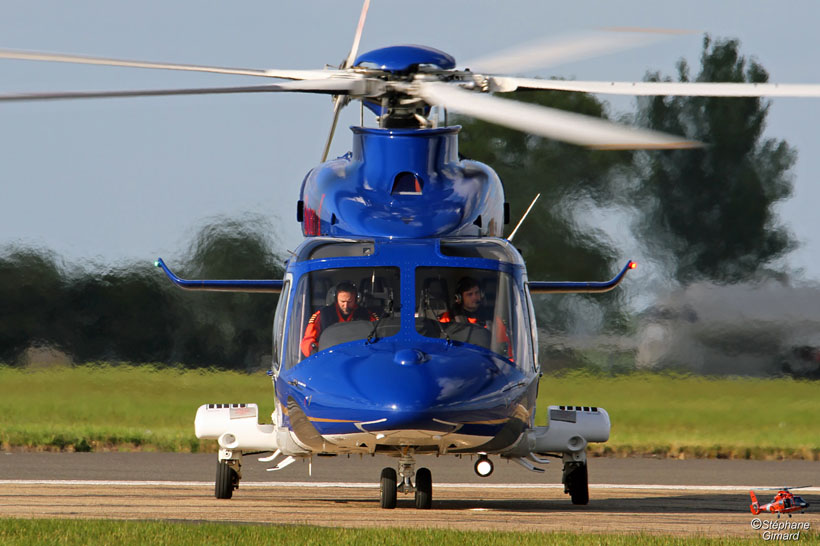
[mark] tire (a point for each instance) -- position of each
(576, 483)
(424, 489)
(226, 481)
(387, 488)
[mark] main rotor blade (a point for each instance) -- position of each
(546, 53)
(81, 59)
(340, 102)
(687, 89)
(334, 87)
(549, 122)
(357, 37)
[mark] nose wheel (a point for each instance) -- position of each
(387, 488)
(424, 489)
(389, 485)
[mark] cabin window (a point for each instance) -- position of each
(472, 248)
(339, 249)
(407, 183)
(318, 320)
(473, 306)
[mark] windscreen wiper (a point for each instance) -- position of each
(371, 337)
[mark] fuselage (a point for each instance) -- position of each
(402, 183)
(404, 378)
(404, 220)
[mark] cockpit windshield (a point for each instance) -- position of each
(475, 306)
(333, 306)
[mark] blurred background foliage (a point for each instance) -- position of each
(133, 313)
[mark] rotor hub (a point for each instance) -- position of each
(405, 59)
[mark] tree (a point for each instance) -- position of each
(132, 313)
(122, 314)
(228, 330)
(32, 301)
(710, 211)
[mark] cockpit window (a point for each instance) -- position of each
(333, 306)
(474, 306)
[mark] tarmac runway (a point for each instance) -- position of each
(707, 497)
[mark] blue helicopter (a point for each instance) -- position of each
(405, 325)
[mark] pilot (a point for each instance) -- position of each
(344, 310)
(468, 308)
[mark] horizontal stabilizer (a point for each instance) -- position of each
(261, 286)
(573, 287)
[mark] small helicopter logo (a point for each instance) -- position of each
(785, 502)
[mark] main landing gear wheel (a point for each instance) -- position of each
(424, 488)
(387, 488)
(576, 482)
(226, 480)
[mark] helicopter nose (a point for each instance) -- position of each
(416, 381)
(406, 384)
(424, 391)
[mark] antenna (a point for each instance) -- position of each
(521, 221)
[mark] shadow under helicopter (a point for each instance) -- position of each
(734, 503)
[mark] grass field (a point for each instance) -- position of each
(140, 407)
(67, 532)
(98, 407)
(692, 416)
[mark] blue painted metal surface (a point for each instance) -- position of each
(463, 385)
(355, 194)
(404, 58)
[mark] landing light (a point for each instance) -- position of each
(483, 466)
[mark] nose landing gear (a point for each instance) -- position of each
(387, 487)
(423, 487)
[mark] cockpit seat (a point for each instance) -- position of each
(434, 298)
(376, 296)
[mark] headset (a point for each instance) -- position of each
(464, 284)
